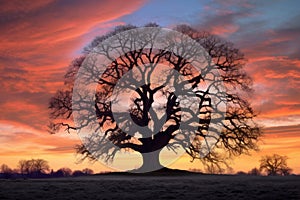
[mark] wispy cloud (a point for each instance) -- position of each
(271, 48)
(38, 41)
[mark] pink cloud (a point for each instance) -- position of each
(38, 41)
(42, 41)
(19, 137)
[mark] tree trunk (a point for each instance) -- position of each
(150, 162)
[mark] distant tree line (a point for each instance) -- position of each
(270, 165)
(39, 168)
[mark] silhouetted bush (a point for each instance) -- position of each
(241, 173)
(87, 171)
(62, 172)
(78, 173)
(254, 172)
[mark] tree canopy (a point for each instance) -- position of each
(173, 103)
(275, 165)
(37, 166)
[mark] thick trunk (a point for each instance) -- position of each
(150, 162)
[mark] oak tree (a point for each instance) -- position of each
(157, 116)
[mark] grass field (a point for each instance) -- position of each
(153, 187)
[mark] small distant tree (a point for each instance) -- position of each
(78, 173)
(254, 172)
(38, 166)
(241, 173)
(5, 169)
(63, 172)
(286, 171)
(24, 166)
(274, 165)
(87, 171)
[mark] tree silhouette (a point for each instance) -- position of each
(87, 171)
(4, 168)
(275, 165)
(157, 116)
(254, 172)
(33, 166)
(78, 173)
(62, 172)
(241, 173)
(6, 171)
(23, 166)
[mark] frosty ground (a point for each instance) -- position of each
(195, 186)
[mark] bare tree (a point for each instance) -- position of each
(275, 165)
(24, 166)
(87, 171)
(63, 172)
(122, 132)
(37, 166)
(241, 173)
(5, 169)
(254, 172)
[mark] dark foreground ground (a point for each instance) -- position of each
(153, 187)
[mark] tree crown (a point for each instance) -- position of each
(154, 105)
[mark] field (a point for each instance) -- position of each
(153, 187)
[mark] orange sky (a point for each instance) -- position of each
(40, 38)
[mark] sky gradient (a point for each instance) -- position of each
(40, 38)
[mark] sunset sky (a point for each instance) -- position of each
(40, 38)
